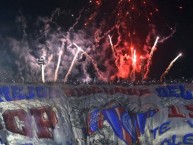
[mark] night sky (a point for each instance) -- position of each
(181, 41)
(172, 14)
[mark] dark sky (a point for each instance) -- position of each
(182, 41)
(172, 13)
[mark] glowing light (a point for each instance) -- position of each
(58, 64)
(43, 75)
(77, 20)
(156, 9)
(94, 64)
(127, 64)
(119, 61)
(72, 64)
(74, 59)
(98, 2)
(112, 47)
(134, 58)
(149, 61)
(169, 67)
(134, 61)
(41, 62)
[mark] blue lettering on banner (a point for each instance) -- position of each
(17, 93)
(174, 139)
(31, 92)
(11, 93)
(166, 142)
(188, 139)
(171, 141)
(41, 92)
(174, 91)
(4, 91)
(162, 129)
(185, 94)
(162, 92)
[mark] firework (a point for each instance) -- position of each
(43, 75)
(94, 64)
(112, 47)
(107, 42)
(59, 60)
(122, 23)
(72, 64)
(58, 64)
(134, 61)
(149, 61)
(169, 67)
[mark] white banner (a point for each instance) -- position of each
(92, 115)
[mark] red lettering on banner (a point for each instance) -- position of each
(95, 89)
(18, 121)
(84, 91)
(129, 92)
(174, 112)
(107, 90)
(144, 92)
(117, 90)
(124, 90)
(69, 92)
(74, 92)
(190, 107)
(136, 92)
(45, 119)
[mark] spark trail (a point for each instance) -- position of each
(134, 60)
(94, 64)
(59, 60)
(149, 61)
(43, 75)
(77, 20)
(107, 30)
(123, 21)
(112, 47)
(72, 64)
(169, 67)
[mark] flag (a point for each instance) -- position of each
(127, 126)
(94, 121)
(121, 123)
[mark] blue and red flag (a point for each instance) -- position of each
(120, 122)
(94, 121)
(128, 127)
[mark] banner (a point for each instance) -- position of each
(40, 114)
